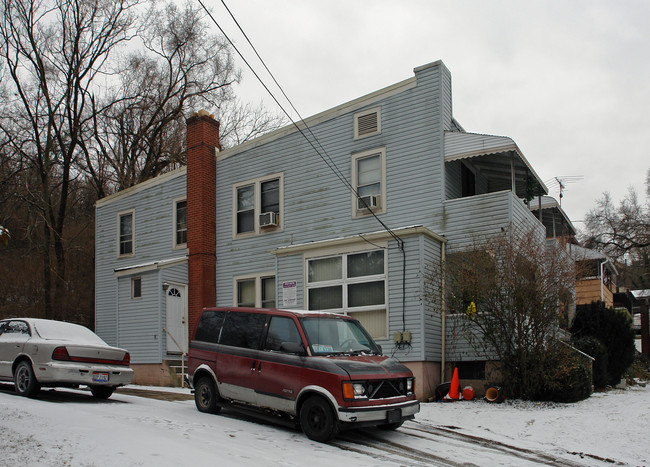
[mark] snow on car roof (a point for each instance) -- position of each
(60, 330)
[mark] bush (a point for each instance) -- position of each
(597, 350)
(568, 376)
(614, 330)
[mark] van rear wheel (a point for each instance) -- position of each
(206, 396)
(318, 421)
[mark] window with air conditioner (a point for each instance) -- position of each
(257, 206)
(353, 284)
(369, 177)
(367, 123)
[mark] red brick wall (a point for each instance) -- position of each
(202, 139)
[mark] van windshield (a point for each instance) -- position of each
(338, 336)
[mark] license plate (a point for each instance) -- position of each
(394, 416)
(100, 377)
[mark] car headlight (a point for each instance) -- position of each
(410, 385)
(354, 390)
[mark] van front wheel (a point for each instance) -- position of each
(206, 396)
(317, 420)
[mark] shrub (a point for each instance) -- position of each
(614, 329)
(597, 350)
(568, 376)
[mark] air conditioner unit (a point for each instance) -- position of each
(269, 219)
(366, 202)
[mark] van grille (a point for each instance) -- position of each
(386, 388)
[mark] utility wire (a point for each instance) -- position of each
(328, 160)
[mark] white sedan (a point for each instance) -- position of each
(41, 352)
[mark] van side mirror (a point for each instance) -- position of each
(381, 352)
(293, 347)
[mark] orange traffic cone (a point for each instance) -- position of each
(453, 394)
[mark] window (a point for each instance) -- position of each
(243, 330)
(136, 287)
(369, 176)
(255, 291)
(125, 233)
(353, 284)
(257, 206)
(209, 326)
(246, 209)
(282, 331)
(180, 223)
(14, 327)
(472, 370)
(367, 123)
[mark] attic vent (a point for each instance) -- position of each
(367, 123)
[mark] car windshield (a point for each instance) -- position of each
(59, 330)
(338, 336)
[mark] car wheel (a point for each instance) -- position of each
(25, 381)
(206, 396)
(317, 420)
(102, 392)
(390, 426)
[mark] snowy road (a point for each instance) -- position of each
(69, 427)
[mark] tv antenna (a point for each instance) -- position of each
(560, 183)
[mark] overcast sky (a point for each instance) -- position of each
(569, 81)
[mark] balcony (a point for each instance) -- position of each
(472, 219)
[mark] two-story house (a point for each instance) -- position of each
(276, 222)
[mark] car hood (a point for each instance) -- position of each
(371, 365)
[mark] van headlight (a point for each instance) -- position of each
(410, 385)
(354, 390)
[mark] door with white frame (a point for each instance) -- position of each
(176, 306)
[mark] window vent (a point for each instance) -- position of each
(367, 124)
(366, 202)
(269, 219)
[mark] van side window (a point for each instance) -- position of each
(282, 330)
(243, 330)
(210, 326)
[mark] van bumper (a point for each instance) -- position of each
(391, 413)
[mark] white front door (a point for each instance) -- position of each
(176, 319)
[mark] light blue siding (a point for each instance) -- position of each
(421, 189)
(119, 320)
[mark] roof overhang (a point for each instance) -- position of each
(495, 157)
(369, 237)
(551, 211)
(150, 266)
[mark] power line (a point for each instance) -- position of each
(327, 158)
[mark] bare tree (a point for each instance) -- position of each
(181, 67)
(53, 54)
(508, 295)
(623, 232)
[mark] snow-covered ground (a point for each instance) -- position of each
(68, 427)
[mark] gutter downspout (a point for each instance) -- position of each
(443, 305)
(602, 299)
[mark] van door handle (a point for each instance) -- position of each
(259, 367)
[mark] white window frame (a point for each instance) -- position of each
(130, 212)
(257, 184)
(363, 113)
(356, 212)
(175, 202)
(345, 281)
(258, 287)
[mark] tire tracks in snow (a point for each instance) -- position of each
(448, 447)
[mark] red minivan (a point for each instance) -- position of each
(320, 370)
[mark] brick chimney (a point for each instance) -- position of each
(202, 139)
